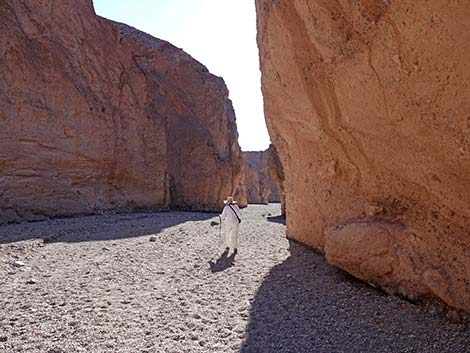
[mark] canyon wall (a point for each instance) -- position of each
(260, 187)
(204, 159)
(96, 116)
(367, 105)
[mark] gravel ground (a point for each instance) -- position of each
(98, 284)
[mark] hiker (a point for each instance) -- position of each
(232, 217)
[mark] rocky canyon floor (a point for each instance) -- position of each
(98, 284)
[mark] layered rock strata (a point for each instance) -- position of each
(367, 104)
(96, 116)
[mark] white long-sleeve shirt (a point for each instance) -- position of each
(229, 216)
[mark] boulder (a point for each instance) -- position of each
(367, 105)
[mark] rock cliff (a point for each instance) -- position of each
(96, 116)
(203, 155)
(260, 188)
(367, 104)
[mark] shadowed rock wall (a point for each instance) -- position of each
(367, 104)
(96, 115)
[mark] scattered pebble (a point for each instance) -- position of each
(18, 263)
(273, 296)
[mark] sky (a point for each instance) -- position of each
(221, 34)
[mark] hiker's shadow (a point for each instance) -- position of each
(223, 262)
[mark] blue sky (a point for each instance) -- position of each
(221, 34)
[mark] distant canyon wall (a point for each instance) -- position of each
(367, 105)
(276, 172)
(99, 116)
(260, 187)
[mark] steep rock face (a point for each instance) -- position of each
(367, 105)
(260, 188)
(97, 115)
(203, 155)
(276, 172)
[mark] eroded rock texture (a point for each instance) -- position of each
(260, 187)
(96, 115)
(367, 104)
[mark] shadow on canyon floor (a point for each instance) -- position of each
(223, 262)
(98, 227)
(305, 305)
(277, 219)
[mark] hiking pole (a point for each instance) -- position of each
(220, 231)
(220, 238)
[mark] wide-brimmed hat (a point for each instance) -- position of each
(229, 200)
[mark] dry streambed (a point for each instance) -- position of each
(154, 282)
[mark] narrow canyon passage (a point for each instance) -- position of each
(98, 284)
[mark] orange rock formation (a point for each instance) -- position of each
(367, 104)
(96, 115)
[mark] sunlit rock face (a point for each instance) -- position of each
(96, 116)
(260, 187)
(203, 156)
(367, 104)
